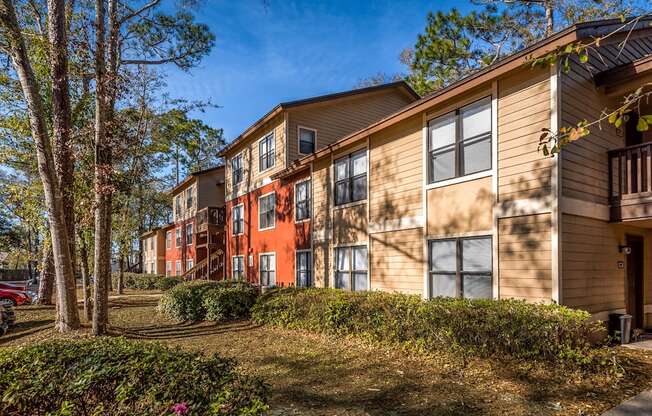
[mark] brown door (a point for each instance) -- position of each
(635, 271)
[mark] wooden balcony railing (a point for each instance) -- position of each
(630, 182)
(210, 216)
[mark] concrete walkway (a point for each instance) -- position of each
(636, 406)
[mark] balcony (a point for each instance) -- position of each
(210, 217)
(630, 182)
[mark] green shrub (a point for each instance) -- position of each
(477, 327)
(143, 281)
(114, 376)
(191, 301)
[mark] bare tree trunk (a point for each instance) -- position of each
(46, 283)
(66, 298)
(550, 17)
(86, 289)
(121, 274)
(102, 183)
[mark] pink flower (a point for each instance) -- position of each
(180, 408)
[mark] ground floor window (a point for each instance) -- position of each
(168, 268)
(352, 270)
(189, 264)
(237, 269)
(178, 267)
(268, 269)
(304, 268)
(461, 267)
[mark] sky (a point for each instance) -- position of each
(268, 52)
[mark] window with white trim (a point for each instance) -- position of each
(168, 240)
(461, 267)
(189, 197)
(351, 268)
(237, 269)
(267, 211)
(302, 200)
(459, 143)
(266, 152)
(189, 264)
(307, 140)
(236, 170)
(177, 207)
(351, 178)
(268, 269)
(178, 267)
(304, 268)
(168, 268)
(189, 234)
(178, 236)
(237, 214)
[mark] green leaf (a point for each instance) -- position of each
(584, 57)
(642, 125)
(618, 122)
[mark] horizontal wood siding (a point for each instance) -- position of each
(336, 119)
(396, 260)
(321, 221)
(523, 110)
(350, 224)
(524, 253)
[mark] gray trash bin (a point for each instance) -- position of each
(625, 328)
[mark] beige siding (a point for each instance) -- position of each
(321, 222)
(395, 176)
(523, 110)
(396, 260)
(338, 118)
(524, 253)
(350, 224)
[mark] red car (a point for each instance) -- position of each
(14, 297)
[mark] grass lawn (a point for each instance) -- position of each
(318, 375)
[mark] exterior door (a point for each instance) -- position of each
(635, 278)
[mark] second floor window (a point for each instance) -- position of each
(178, 237)
(236, 169)
(459, 142)
(267, 211)
(302, 200)
(189, 234)
(307, 138)
(168, 240)
(238, 219)
(351, 178)
(189, 197)
(266, 152)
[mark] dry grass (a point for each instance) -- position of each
(317, 375)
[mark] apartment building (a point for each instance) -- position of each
(449, 196)
(269, 220)
(193, 245)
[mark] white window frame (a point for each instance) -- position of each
(190, 197)
(299, 128)
(350, 179)
(350, 270)
(190, 263)
(296, 268)
(241, 257)
(239, 156)
(192, 234)
(177, 237)
(271, 134)
(168, 268)
(296, 211)
(240, 205)
(177, 268)
(274, 209)
(168, 240)
(177, 207)
(260, 270)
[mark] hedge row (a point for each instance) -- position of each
(144, 281)
(210, 300)
(477, 327)
(105, 376)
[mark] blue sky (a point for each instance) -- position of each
(293, 49)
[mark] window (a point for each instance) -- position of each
(168, 240)
(178, 237)
(168, 268)
(351, 273)
(461, 267)
(189, 196)
(189, 234)
(302, 200)
(307, 139)
(237, 271)
(238, 219)
(189, 264)
(267, 211)
(460, 142)
(178, 267)
(266, 152)
(236, 169)
(304, 268)
(177, 207)
(268, 269)
(351, 178)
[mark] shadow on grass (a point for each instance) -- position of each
(23, 329)
(183, 330)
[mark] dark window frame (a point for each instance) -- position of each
(266, 158)
(308, 271)
(459, 272)
(236, 172)
(238, 225)
(299, 140)
(349, 180)
(307, 202)
(460, 142)
(189, 235)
